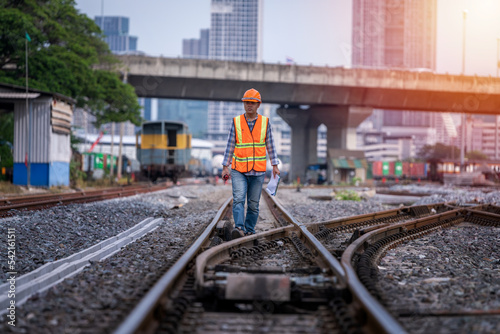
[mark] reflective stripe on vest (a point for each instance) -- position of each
(250, 149)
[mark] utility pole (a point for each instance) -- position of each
(497, 116)
(462, 141)
(122, 125)
(28, 111)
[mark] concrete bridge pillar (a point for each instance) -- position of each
(341, 122)
(304, 138)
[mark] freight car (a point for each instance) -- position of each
(163, 149)
(392, 170)
(439, 168)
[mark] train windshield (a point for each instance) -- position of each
(153, 128)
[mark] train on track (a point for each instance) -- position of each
(434, 170)
(163, 149)
(399, 170)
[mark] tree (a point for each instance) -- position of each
(438, 152)
(6, 139)
(476, 155)
(64, 52)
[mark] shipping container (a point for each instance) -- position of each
(398, 169)
(391, 168)
(385, 168)
(418, 170)
(377, 168)
(406, 169)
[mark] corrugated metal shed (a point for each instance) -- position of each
(41, 135)
(40, 131)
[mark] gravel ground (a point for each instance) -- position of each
(104, 292)
(306, 209)
(450, 270)
(51, 234)
(439, 194)
(100, 296)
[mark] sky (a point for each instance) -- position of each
(312, 32)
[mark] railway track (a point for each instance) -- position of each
(295, 276)
(9, 206)
(284, 280)
(361, 257)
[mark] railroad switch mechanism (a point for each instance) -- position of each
(258, 287)
(223, 230)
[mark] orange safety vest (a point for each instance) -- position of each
(250, 149)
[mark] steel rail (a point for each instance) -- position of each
(325, 254)
(378, 316)
(141, 318)
(80, 193)
(486, 208)
(44, 201)
(221, 252)
(345, 221)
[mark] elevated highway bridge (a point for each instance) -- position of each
(341, 98)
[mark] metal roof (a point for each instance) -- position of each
(20, 92)
(10, 95)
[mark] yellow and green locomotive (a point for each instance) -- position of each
(163, 149)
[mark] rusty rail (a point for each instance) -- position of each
(376, 242)
(142, 319)
(7, 205)
(148, 313)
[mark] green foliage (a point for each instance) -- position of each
(355, 181)
(6, 159)
(476, 155)
(6, 139)
(7, 127)
(76, 175)
(438, 152)
(63, 54)
(347, 195)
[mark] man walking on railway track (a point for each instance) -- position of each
(249, 137)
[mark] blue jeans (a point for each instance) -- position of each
(246, 187)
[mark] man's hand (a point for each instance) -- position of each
(225, 173)
(276, 171)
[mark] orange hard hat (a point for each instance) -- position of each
(252, 95)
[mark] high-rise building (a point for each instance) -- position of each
(196, 47)
(482, 135)
(400, 35)
(191, 112)
(116, 30)
(394, 33)
(236, 35)
(236, 30)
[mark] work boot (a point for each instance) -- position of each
(237, 233)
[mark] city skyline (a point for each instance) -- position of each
(386, 24)
(314, 32)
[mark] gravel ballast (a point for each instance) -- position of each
(454, 269)
(49, 235)
(102, 294)
(96, 299)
